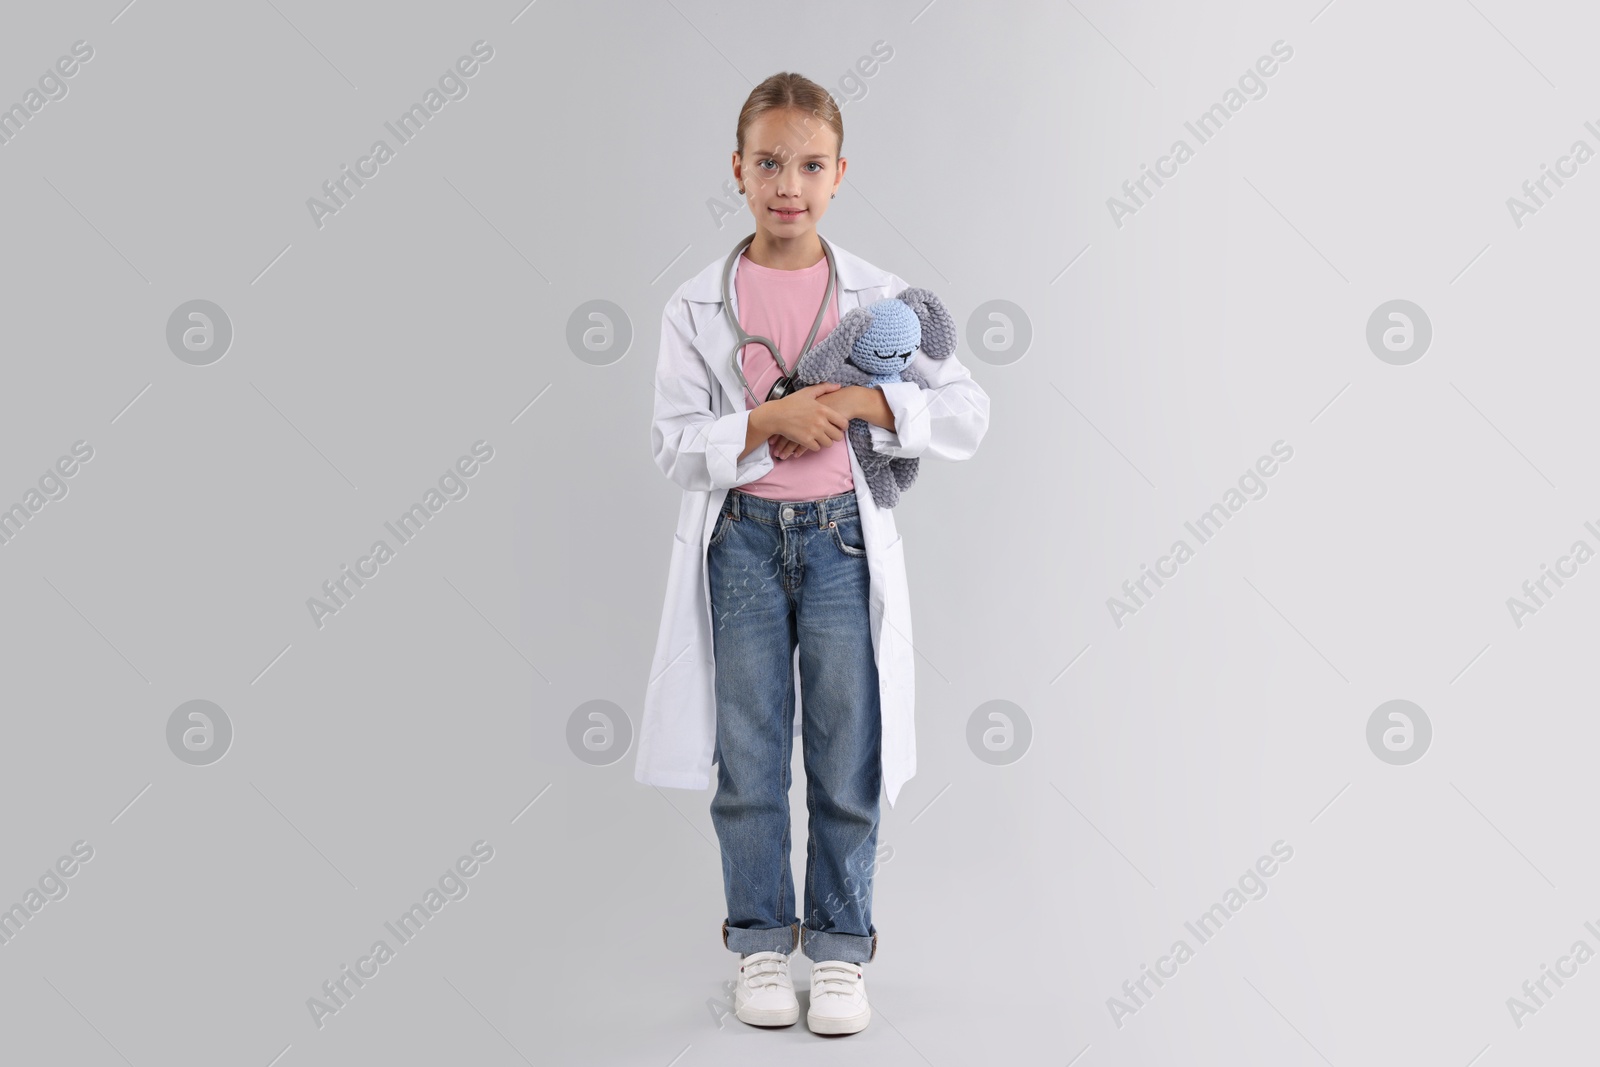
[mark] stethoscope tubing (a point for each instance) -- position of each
(829, 291)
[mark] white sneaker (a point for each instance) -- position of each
(764, 995)
(838, 998)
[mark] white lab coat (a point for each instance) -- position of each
(697, 433)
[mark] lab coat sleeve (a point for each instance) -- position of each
(692, 445)
(946, 420)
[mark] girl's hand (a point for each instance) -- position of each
(802, 421)
(782, 447)
(843, 399)
(840, 400)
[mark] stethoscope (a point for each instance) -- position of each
(786, 382)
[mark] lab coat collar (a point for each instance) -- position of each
(855, 273)
(714, 337)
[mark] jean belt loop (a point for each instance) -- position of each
(735, 494)
(822, 514)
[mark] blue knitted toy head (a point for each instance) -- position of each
(889, 342)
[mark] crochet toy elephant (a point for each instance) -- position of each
(872, 346)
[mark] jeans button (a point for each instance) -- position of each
(788, 513)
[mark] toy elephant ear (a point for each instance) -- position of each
(938, 328)
(823, 363)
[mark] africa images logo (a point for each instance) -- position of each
(1252, 85)
(452, 886)
(1252, 485)
(1566, 567)
(1251, 885)
(452, 86)
(453, 485)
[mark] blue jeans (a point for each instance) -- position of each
(787, 573)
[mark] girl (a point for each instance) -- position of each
(784, 564)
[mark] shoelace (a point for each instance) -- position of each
(763, 969)
(834, 977)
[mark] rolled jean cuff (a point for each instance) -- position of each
(819, 945)
(783, 939)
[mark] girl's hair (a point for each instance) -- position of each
(784, 91)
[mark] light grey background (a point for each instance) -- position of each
(1167, 354)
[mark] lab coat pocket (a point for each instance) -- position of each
(676, 646)
(678, 734)
(897, 603)
(888, 606)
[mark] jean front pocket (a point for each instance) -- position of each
(724, 520)
(847, 535)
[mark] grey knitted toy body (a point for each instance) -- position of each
(874, 345)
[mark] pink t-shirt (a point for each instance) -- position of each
(781, 305)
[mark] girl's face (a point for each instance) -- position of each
(790, 168)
